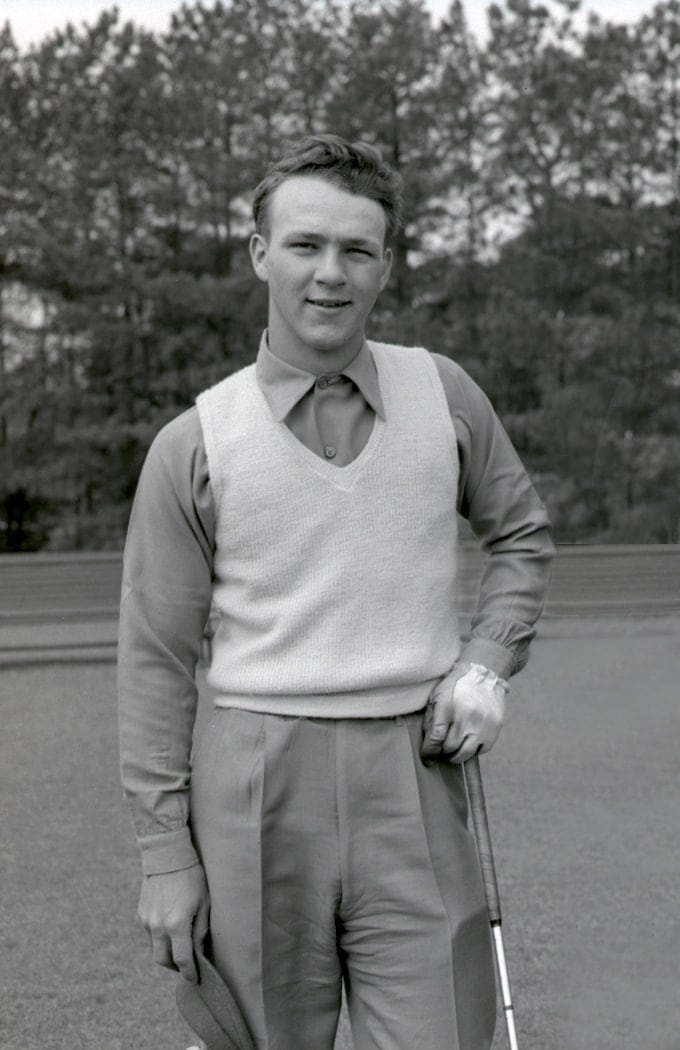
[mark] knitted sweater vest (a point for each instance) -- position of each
(334, 587)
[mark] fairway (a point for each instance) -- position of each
(583, 793)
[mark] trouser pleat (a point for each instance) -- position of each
(263, 818)
(414, 928)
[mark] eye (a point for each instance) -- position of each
(360, 251)
(305, 246)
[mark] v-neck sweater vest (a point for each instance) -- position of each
(334, 587)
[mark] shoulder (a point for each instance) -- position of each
(177, 453)
(179, 434)
(465, 397)
(172, 499)
(231, 385)
(396, 350)
(403, 362)
(453, 375)
(448, 370)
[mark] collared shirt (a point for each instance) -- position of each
(332, 413)
(168, 567)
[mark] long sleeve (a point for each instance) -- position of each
(165, 604)
(496, 496)
(167, 583)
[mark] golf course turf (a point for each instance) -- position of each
(583, 792)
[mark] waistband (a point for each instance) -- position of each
(384, 702)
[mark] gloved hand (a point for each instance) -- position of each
(464, 714)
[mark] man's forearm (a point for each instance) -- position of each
(511, 598)
(157, 708)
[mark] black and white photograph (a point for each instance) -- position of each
(340, 525)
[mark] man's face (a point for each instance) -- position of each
(323, 257)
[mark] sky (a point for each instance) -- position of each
(31, 20)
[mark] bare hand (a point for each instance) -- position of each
(464, 715)
(174, 908)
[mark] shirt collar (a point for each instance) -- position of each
(283, 385)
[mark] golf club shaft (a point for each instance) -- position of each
(480, 822)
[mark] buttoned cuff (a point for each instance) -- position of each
(490, 654)
(167, 851)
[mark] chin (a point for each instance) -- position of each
(327, 337)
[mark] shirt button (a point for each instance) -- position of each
(322, 383)
(329, 451)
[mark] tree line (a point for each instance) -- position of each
(541, 248)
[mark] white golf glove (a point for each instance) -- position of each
(464, 714)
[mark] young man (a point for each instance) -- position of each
(310, 500)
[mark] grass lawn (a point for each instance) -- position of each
(584, 802)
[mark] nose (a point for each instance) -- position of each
(330, 269)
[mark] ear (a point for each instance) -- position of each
(387, 261)
(258, 256)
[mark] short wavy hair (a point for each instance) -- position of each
(355, 167)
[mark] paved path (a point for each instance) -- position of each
(64, 607)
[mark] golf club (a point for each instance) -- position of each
(475, 789)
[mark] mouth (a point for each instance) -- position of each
(329, 304)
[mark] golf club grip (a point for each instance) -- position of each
(475, 789)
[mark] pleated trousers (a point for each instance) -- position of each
(334, 855)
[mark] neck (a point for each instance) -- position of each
(316, 360)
